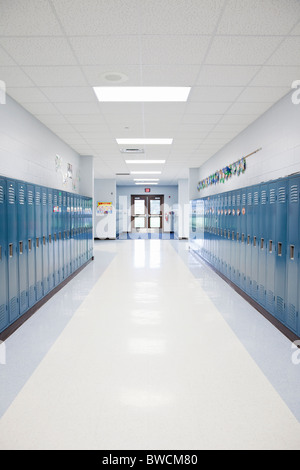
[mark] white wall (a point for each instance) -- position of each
(277, 132)
(170, 198)
(105, 226)
(28, 150)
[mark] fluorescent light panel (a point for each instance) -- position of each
(145, 184)
(142, 94)
(141, 162)
(146, 179)
(145, 141)
(145, 172)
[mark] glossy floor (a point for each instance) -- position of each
(147, 348)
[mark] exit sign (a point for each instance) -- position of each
(147, 190)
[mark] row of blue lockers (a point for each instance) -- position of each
(45, 236)
(251, 236)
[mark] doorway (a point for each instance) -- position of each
(147, 213)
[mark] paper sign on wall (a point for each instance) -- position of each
(104, 208)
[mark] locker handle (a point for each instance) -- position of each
(44, 241)
(279, 249)
(254, 241)
(243, 238)
(270, 246)
(37, 242)
(248, 240)
(292, 252)
(50, 239)
(29, 244)
(262, 242)
(11, 250)
(0, 253)
(21, 247)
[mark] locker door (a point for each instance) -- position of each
(218, 262)
(292, 284)
(255, 243)
(281, 250)
(12, 250)
(45, 241)
(229, 234)
(225, 232)
(249, 240)
(72, 202)
(51, 239)
(3, 257)
(233, 255)
(68, 232)
(238, 238)
(60, 236)
(263, 244)
(271, 249)
(22, 247)
(243, 225)
(213, 235)
(31, 244)
(38, 243)
(64, 235)
(55, 215)
(76, 238)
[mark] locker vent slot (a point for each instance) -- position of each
(39, 290)
(270, 300)
(249, 199)
(55, 200)
(244, 200)
(292, 316)
(31, 295)
(256, 199)
(50, 199)
(280, 306)
(254, 287)
(238, 200)
(261, 292)
(23, 299)
(38, 198)
(30, 198)
(1, 195)
(44, 199)
(21, 196)
(229, 200)
(282, 195)
(13, 307)
(2, 315)
(272, 196)
(294, 194)
(264, 197)
(11, 195)
(233, 200)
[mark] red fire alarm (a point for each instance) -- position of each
(147, 190)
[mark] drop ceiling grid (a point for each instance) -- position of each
(247, 58)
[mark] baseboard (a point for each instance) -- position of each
(22, 319)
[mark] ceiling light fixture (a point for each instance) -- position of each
(142, 94)
(146, 179)
(146, 172)
(141, 162)
(146, 184)
(145, 141)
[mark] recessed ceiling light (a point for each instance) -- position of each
(115, 77)
(145, 141)
(145, 184)
(146, 179)
(142, 94)
(141, 162)
(145, 172)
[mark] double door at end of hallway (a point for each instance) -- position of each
(147, 213)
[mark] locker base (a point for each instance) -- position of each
(19, 322)
(280, 326)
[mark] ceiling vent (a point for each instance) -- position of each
(132, 151)
(122, 174)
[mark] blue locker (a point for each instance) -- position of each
(226, 250)
(3, 257)
(22, 247)
(60, 236)
(31, 244)
(271, 248)
(292, 269)
(72, 241)
(64, 235)
(238, 237)
(76, 232)
(249, 240)
(55, 216)
(263, 243)
(12, 250)
(281, 249)
(255, 243)
(38, 243)
(45, 241)
(68, 235)
(233, 249)
(50, 239)
(243, 241)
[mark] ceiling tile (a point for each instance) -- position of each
(287, 53)
(77, 108)
(238, 119)
(105, 50)
(39, 51)
(27, 95)
(241, 50)
(296, 30)
(267, 17)
(30, 17)
(169, 17)
(276, 76)
(169, 75)
(5, 59)
(40, 108)
(215, 94)
(98, 17)
(263, 94)
(85, 119)
(249, 108)
(15, 77)
(172, 50)
(70, 94)
(59, 76)
(226, 75)
(207, 108)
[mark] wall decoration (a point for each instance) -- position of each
(104, 208)
(221, 176)
(70, 171)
